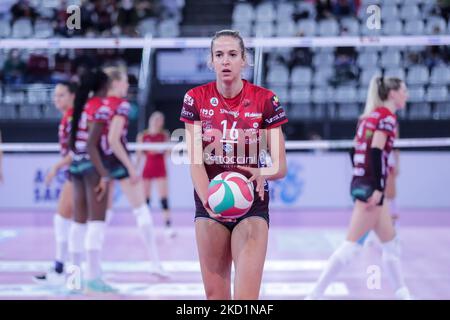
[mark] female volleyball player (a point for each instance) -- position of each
(64, 96)
(110, 132)
(90, 202)
(373, 143)
(155, 166)
(233, 114)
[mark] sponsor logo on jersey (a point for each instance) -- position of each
(275, 118)
(246, 103)
(187, 114)
(233, 113)
(369, 134)
(276, 103)
(253, 115)
(214, 101)
(207, 112)
(359, 172)
(255, 125)
(188, 100)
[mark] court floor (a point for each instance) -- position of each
(300, 241)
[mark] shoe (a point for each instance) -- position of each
(50, 278)
(403, 294)
(170, 232)
(160, 272)
(99, 286)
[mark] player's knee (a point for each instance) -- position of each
(391, 250)
(95, 235)
(142, 215)
(164, 204)
(77, 235)
(347, 252)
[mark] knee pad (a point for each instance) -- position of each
(142, 215)
(61, 227)
(391, 250)
(95, 235)
(164, 204)
(347, 251)
(77, 234)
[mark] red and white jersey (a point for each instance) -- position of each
(232, 129)
(112, 106)
(64, 132)
(381, 119)
(87, 115)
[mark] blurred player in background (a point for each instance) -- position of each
(110, 129)
(64, 97)
(154, 170)
(374, 141)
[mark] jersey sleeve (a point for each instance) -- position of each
(123, 109)
(189, 112)
(274, 114)
(387, 124)
(102, 114)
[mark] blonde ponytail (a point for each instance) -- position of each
(378, 92)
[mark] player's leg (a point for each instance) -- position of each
(110, 210)
(147, 186)
(214, 251)
(248, 247)
(95, 236)
(61, 225)
(77, 231)
(163, 192)
(385, 230)
(135, 195)
(363, 220)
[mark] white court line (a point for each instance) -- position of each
(175, 290)
(170, 266)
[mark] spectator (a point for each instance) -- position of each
(127, 18)
(146, 9)
(23, 9)
(343, 8)
(434, 56)
(63, 67)
(14, 68)
(324, 9)
(38, 67)
(444, 8)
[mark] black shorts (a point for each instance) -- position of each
(81, 167)
(259, 208)
(116, 169)
(362, 190)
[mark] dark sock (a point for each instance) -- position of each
(59, 267)
(168, 223)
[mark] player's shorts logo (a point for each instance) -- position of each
(214, 102)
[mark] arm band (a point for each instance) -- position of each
(376, 156)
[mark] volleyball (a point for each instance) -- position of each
(230, 194)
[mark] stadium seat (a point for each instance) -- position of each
(278, 76)
(437, 94)
(22, 28)
(435, 25)
(367, 74)
(417, 75)
(328, 28)
(409, 12)
(419, 111)
(392, 28)
(440, 75)
(286, 28)
(390, 59)
(264, 29)
(345, 95)
(285, 11)
(168, 29)
(243, 12)
(147, 26)
(416, 94)
(414, 28)
(5, 29)
(322, 76)
(323, 60)
(389, 12)
(301, 76)
(307, 27)
(43, 29)
(395, 72)
(351, 25)
(300, 95)
(367, 60)
(265, 12)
